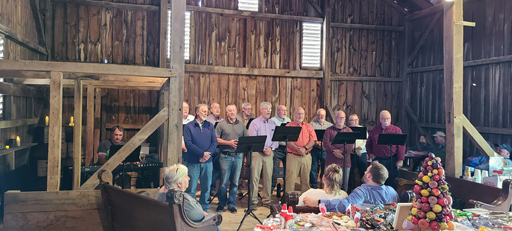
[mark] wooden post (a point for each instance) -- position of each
(453, 86)
(176, 84)
(77, 134)
(55, 132)
(326, 51)
(164, 7)
(97, 124)
(163, 130)
(476, 138)
(89, 126)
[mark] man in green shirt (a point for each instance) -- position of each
(440, 146)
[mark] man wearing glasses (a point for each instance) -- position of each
(280, 152)
(318, 152)
(262, 162)
(246, 113)
(359, 157)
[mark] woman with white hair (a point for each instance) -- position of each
(176, 177)
(332, 179)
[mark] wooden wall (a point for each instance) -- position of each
(486, 87)
(366, 53)
(113, 35)
(17, 16)
(219, 40)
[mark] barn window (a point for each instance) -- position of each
(248, 5)
(187, 35)
(1, 79)
(311, 43)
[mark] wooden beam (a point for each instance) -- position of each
(256, 15)
(487, 130)
(368, 27)
(476, 138)
(416, 124)
(18, 122)
(87, 68)
(133, 143)
(114, 84)
(125, 6)
(164, 6)
(253, 71)
(20, 90)
(423, 38)
(404, 99)
(175, 100)
(396, 6)
(364, 79)
(89, 127)
(126, 126)
(163, 130)
(48, 28)
(11, 35)
(453, 39)
(77, 133)
(34, 6)
(502, 59)
(428, 11)
(25, 74)
(316, 7)
(4, 152)
(424, 4)
(326, 54)
(329, 113)
(97, 123)
(55, 132)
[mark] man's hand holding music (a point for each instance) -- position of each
(267, 151)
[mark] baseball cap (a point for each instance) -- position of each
(440, 133)
(506, 147)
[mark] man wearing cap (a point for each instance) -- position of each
(440, 146)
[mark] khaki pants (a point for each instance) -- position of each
(265, 164)
(296, 165)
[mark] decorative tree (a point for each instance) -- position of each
(432, 204)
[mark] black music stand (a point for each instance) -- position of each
(362, 132)
(345, 138)
(286, 134)
(250, 144)
(391, 139)
(249, 123)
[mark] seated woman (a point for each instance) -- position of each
(332, 182)
(176, 177)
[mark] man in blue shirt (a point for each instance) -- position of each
(373, 191)
(201, 141)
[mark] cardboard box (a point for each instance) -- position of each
(495, 181)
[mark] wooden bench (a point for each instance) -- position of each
(131, 211)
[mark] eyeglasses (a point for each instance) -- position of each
(353, 120)
(268, 109)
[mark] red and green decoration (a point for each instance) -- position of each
(432, 203)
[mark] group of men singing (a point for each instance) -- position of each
(209, 151)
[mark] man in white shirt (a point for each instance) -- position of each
(318, 153)
(359, 158)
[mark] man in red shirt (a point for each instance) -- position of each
(394, 160)
(298, 159)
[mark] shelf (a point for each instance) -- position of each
(13, 149)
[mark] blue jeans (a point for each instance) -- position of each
(216, 170)
(279, 155)
(230, 167)
(203, 172)
(359, 162)
(316, 155)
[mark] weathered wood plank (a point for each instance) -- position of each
(253, 71)
(18, 39)
(18, 122)
(77, 133)
(88, 68)
(106, 4)
(55, 132)
(368, 27)
(253, 15)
